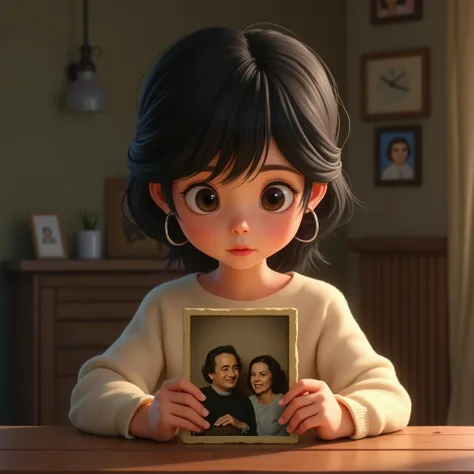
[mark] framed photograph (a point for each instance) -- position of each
(383, 12)
(395, 85)
(398, 160)
(243, 360)
(125, 240)
(48, 239)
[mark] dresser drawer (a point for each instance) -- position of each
(96, 310)
(88, 334)
(69, 361)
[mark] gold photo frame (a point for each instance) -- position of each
(252, 332)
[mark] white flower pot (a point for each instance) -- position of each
(89, 245)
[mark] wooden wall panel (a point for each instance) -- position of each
(403, 310)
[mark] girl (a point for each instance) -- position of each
(235, 166)
(269, 383)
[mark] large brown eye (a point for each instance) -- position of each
(276, 198)
(202, 200)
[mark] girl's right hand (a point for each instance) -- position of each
(177, 405)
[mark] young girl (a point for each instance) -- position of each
(268, 382)
(235, 165)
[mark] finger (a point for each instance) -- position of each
(311, 422)
(183, 424)
(189, 414)
(184, 385)
(301, 418)
(185, 399)
(297, 403)
(299, 388)
(220, 420)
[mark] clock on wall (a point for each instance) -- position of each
(395, 85)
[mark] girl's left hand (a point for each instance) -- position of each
(310, 404)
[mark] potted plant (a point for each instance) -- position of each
(89, 240)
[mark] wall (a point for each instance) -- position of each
(390, 211)
(54, 162)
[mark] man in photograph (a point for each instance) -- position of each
(230, 413)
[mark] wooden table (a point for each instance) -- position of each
(63, 449)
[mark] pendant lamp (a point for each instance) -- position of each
(85, 93)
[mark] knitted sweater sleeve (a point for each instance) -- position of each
(361, 379)
(111, 386)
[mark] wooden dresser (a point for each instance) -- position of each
(65, 312)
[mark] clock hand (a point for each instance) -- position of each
(399, 77)
(387, 81)
(400, 88)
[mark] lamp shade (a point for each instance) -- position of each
(86, 94)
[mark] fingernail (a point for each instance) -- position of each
(207, 425)
(205, 412)
(281, 402)
(280, 420)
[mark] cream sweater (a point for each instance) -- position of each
(331, 347)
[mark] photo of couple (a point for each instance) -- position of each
(232, 412)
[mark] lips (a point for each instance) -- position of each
(241, 250)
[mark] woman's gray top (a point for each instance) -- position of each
(267, 417)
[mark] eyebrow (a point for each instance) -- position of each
(262, 169)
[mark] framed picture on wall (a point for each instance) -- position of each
(398, 160)
(225, 355)
(383, 12)
(124, 239)
(48, 238)
(395, 84)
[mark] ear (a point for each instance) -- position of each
(318, 192)
(156, 194)
(211, 376)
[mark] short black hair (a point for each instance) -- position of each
(279, 378)
(209, 366)
(231, 93)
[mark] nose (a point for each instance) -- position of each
(239, 226)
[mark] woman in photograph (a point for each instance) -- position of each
(268, 382)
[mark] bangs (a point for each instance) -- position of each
(254, 107)
(235, 130)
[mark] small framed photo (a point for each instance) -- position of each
(48, 238)
(398, 160)
(244, 361)
(383, 12)
(395, 85)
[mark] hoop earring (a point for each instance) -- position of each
(316, 230)
(167, 234)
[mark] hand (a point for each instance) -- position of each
(311, 404)
(175, 406)
(229, 420)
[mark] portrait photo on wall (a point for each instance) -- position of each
(395, 11)
(244, 361)
(398, 159)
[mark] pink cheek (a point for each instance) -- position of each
(283, 227)
(196, 232)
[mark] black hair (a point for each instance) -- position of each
(230, 93)
(394, 141)
(209, 366)
(279, 379)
